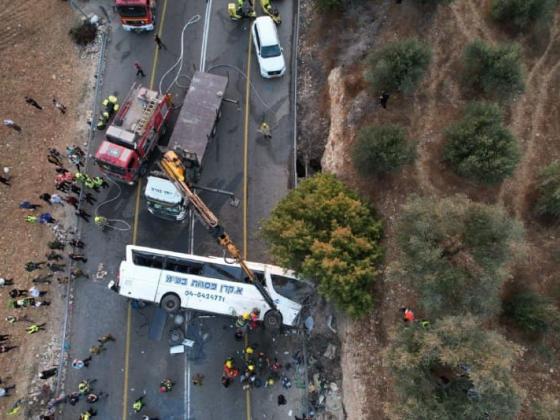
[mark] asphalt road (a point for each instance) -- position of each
(127, 374)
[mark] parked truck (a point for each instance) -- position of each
(195, 126)
(136, 15)
(133, 134)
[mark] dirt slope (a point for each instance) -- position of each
(534, 118)
(39, 60)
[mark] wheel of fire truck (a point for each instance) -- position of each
(273, 320)
(170, 302)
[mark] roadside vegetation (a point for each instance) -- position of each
(522, 14)
(323, 231)
(532, 313)
(548, 203)
(479, 147)
(454, 254)
(453, 369)
(493, 71)
(398, 67)
(382, 149)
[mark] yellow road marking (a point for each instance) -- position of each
(135, 237)
(246, 146)
(245, 188)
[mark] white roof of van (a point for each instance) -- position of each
(162, 190)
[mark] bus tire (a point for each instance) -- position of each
(214, 129)
(273, 320)
(170, 303)
(176, 337)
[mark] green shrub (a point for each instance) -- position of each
(494, 71)
(521, 14)
(531, 312)
(548, 408)
(479, 147)
(323, 230)
(84, 33)
(398, 66)
(381, 149)
(548, 203)
(434, 2)
(455, 254)
(453, 369)
(330, 4)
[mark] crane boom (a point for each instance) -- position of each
(172, 165)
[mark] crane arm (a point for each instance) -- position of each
(172, 165)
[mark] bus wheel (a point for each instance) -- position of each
(170, 303)
(273, 320)
(176, 337)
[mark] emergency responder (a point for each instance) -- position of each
(103, 120)
(138, 404)
(241, 325)
(84, 387)
(271, 11)
(89, 413)
(230, 372)
(254, 318)
(111, 104)
(33, 328)
(166, 385)
(408, 315)
(73, 398)
(249, 376)
(102, 222)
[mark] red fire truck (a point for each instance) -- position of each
(133, 134)
(136, 15)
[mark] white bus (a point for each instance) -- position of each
(207, 284)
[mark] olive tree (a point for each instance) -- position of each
(399, 66)
(455, 253)
(453, 369)
(381, 149)
(548, 203)
(522, 14)
(479, 147)
(495, 71)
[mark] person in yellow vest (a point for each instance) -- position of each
(138, 404)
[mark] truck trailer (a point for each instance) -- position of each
(195, 127)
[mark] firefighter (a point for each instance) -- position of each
(254, 316)
(84, 387)
(101, 221)
(166, 385)
(271, 11)
(111, 104)
(103, 120)
(138, 404)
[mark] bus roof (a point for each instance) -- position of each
(272, 269)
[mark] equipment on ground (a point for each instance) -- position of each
(196, 125)
(271, 11)
(136, 15)
(241, 9)
(133, 134)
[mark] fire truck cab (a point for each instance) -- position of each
(133, 134)
(136, 15)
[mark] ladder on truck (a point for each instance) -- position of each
(146, 115)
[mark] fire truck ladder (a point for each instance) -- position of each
(146, 115)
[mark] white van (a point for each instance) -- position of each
(207, 284)
(268, 49)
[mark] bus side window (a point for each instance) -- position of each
(180, 266)
(157, 261)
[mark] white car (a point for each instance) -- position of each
(268, 49)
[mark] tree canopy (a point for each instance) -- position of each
(323, 230)
(453, 369)
(455, 253)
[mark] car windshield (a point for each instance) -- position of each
(270, 51)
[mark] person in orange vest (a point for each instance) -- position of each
(408, 315)
(230, 372)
